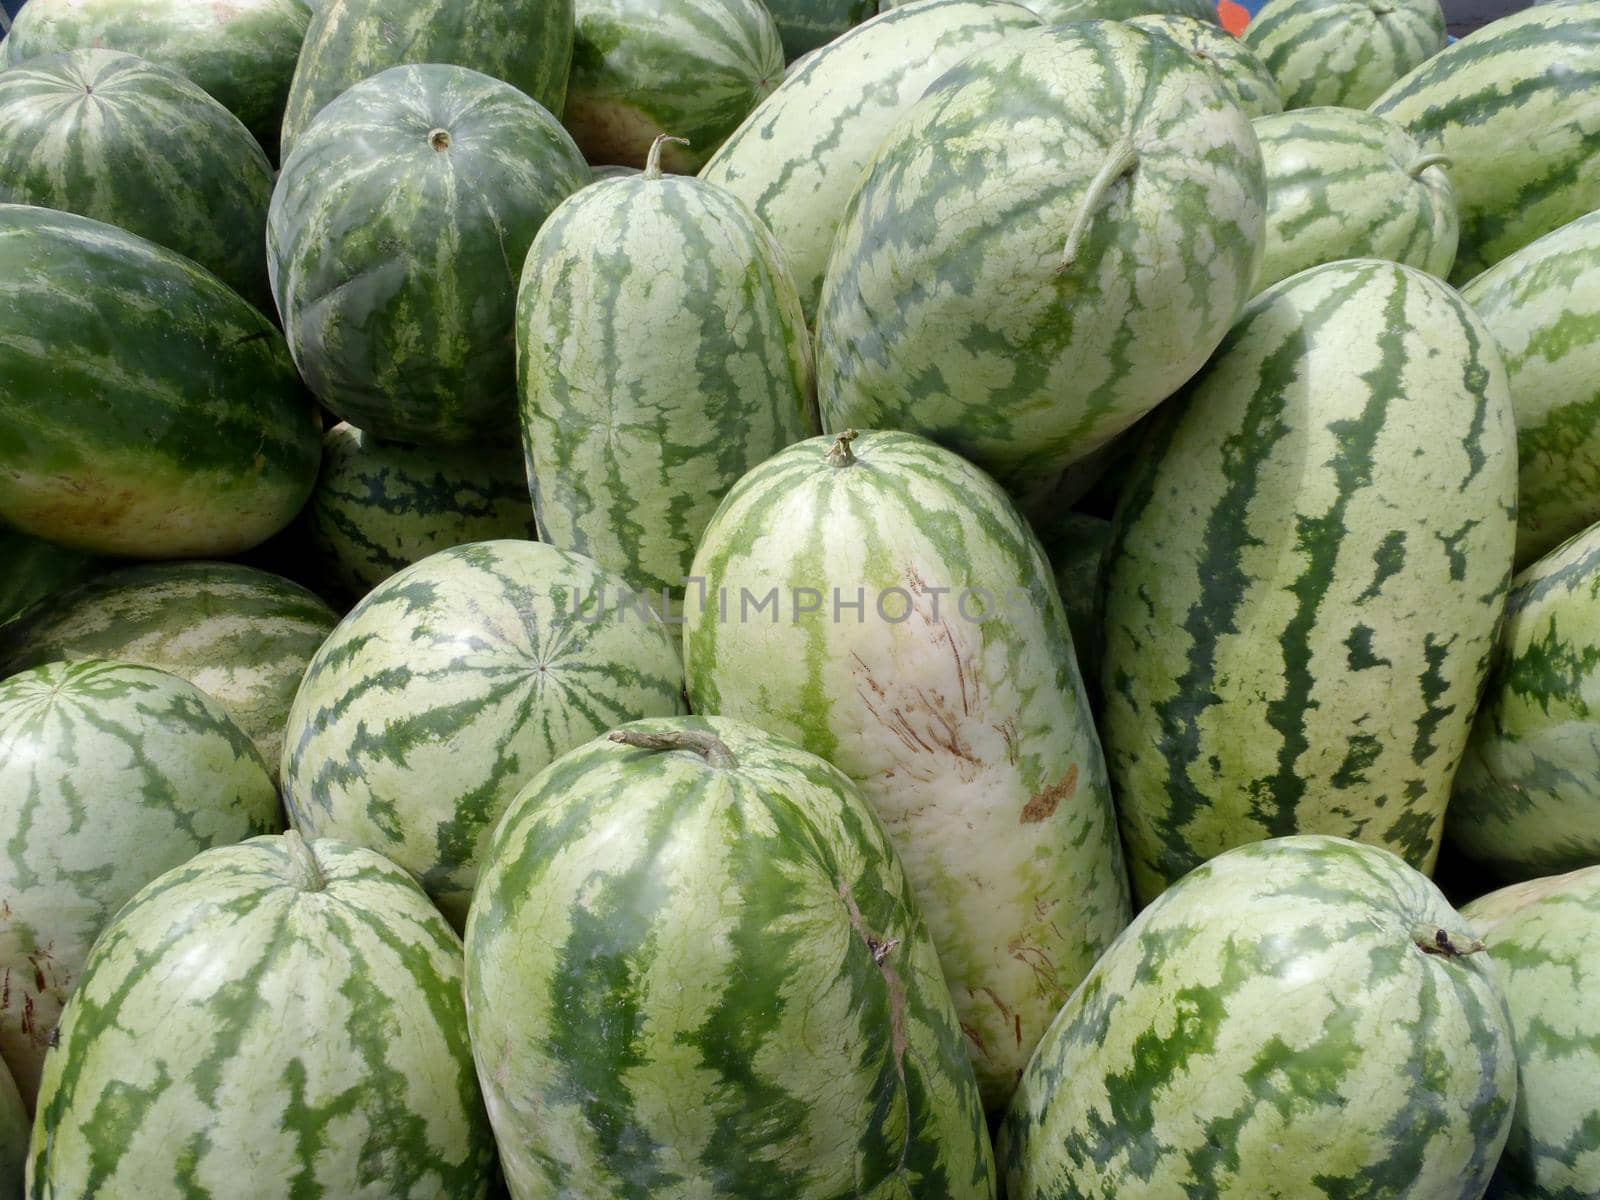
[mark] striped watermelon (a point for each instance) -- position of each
(1244, 76)
(807, 25)
(1544, 943)
(1342, 183)
(35, 569)
(380, 506)
(797, 158)
(110, 774)
(1527, 797)
(1076, 547)
(240, 635)
(137, 145)
(14, 1125)
(526, 43)
(661, 354)
(396, 234)
(1515, 105)
(1302, 1017)
(1543, 306)
(145, 409)
(690, 68)
(242, 52)
(269, 1019)
(695, 969)
(1309, 565)
(914, 639)
(450, 686)
(1058, 12)
(1343, 52)
(1007, 324)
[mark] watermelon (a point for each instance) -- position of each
(1544, 944)
(1542, 304)
(1306, 1016)
(1343, 52)
(240, 635)
(807, 25)
(1527, 797)
(695, 968)
(137, 145)
(1076, 549)
(915, 640)
(1059, 12)
(526, 43)
(690, 68)
(276, 1016)
(614, 171)
(242, 52)
(1244, 76)
(145, 409)
(450, 686)
(797, 158)
(1342, 183)
(110, 774)
(1308, 567)
(394, 242)
(37, 568)
(13, 1136)
(661, 354)
(1516, 106)
(1025, 327)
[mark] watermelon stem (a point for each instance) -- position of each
(1431, 939)
(1426, 161)
(707, 745)
(840, 454)
(1122, 159)
(652, 164)
(311, 876)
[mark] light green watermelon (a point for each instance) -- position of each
(1059, 12)
(798, 157)
(35, 568)
(450, 686)
(807, 25)
(273, 1018)
(395, 240)
(695, 969)
(1310, 562)
(877, 600)
(1343, 52)
(110, 774)
(1342, 183)
(139, 146)
(661, 354)
(1302, 1017)
(14, 1126)
(1243, 75)
(1025, 326)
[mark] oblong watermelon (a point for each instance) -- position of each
(395, 240)
(695, 968)
(110, 774)
(139, 146)
(36, 568)
(269, 1016)
(1314, 548)
(1342, 183)
(1343, 52)
(1516, 106)
(661, 353)
(450, 686)
(880, 602)
(14, 1125)
(1025, 327)
(1302, 1017)
(1243, 75)
(146, 410)
(798, 157)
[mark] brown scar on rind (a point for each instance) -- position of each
(1044, 805)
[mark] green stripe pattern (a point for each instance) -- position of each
(1284, 1022)
(1543, 306)
(798, 157)
(380, 506)
(454, 683)
(1307, 572)
(661, 353)
(702, 974)
(1527, 797)
(807, 25)
(14, 1126)
(1076, 547)
(1244, 76)
(110, 774)
(1059, 12)
(139, 146)
(1342, 183)
(1514, 105)
(145, 409)
(395, 240)
(693, 70)
(948, 693)
(243, 52)
(1343, 52)
(318, 1049)
(1025, 327)
(240, 635)
(36, 568)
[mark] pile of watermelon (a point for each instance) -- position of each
(772, 600)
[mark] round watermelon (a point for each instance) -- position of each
(1244, 76)
(36, 568)
(1343, 52)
